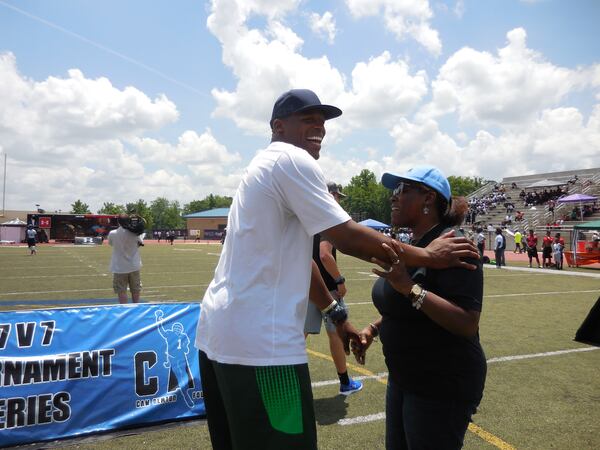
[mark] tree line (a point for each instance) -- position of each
(161, 213)
(366, 198)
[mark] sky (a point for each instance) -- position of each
(116, 101)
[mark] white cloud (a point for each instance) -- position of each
(342, 171)
(75, 137)
(403, 18)
(508, 89)
(191, 150)
(268, 62)
(323, 25)
(383, 91)
(547, 144)
(73, 110)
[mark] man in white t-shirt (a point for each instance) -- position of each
(253, 361)
(31, 238)
(499, 248)
(126, 262)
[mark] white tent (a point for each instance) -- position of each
(545, 183)
(12, 231)
(15, 222)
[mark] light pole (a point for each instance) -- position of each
(4, 187)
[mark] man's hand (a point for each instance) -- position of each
(448, 251)
(341, 291)
(348, 334)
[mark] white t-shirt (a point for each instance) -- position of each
(126, 254)
(499, 241)
(254, 309)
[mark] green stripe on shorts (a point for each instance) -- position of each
(280, 392)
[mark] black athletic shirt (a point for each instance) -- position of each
(329, 281)
(422, 357)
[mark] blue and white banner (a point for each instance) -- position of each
(72, 371)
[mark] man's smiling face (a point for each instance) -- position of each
(305, 130)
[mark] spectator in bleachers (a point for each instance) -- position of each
(551, 205)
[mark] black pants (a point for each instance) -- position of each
(415, 422)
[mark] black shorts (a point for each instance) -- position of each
(532, 251)
(31, 242)
(547, 252)
(256, 407)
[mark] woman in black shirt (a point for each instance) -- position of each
(429, 325)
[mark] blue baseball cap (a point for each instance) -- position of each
(298, 100)
(427, 175)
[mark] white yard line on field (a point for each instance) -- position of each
(473, 428)
(528, 294)
(541, 355)
(376, 376)
(371, 274)
(2, 294)
(89, 275)
(101, 274)
(362, 419)
(521, 294)
(382, 375)
(543, 271)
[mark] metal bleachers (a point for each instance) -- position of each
(586, 181)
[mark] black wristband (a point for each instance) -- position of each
(337, 314)
(340, 280)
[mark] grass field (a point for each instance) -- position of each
(544, 399)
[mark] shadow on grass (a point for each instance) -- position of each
(329, 410)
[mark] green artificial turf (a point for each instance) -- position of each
(544, 401)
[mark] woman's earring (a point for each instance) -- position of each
(425, 210)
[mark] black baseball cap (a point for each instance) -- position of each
(334, 188)
(298, 100)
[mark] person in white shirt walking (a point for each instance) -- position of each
(31, 234)
(126, 262)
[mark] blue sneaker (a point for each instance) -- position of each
(351, 388)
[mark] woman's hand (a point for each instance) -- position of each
(395, 273)
(366, 336)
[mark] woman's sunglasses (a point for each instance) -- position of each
(403, 186)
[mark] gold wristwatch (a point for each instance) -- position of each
(417, 296)
(415, 292)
